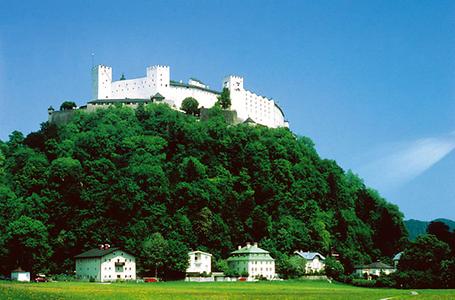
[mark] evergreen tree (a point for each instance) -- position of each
(224, 100)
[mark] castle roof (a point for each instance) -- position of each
(197, 80)
(125, 100)
(181, 84)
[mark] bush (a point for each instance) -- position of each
(62, 277)
(364, 282)
(386, 281)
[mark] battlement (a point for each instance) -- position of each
(158, 67)
(102, 67)
(235, 77)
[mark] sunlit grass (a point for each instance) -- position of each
(228, 290)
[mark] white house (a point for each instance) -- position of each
(374, 269)
(247, 104)
(20, 275)
(253, 260)
(314, 261)
(105, 264)
(199, 262)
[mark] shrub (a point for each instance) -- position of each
(386, 281)
(333, 268)
(364, 282)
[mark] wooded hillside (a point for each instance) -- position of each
(120, 175)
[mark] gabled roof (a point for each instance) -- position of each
(375, 265)
(96, 252)
(201, 252)
(249, 120)
(309, 255)
(19, 270)
(250, 250)
(398, 256)
(158, 96)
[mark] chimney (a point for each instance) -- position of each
(240, 247)
(255, 244)
(101, 246)
(248, 245)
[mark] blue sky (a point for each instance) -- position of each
(371, 82)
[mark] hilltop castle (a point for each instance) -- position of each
(157, 85)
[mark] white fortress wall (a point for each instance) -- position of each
(179, 93)
(157, 80)
(139, 88)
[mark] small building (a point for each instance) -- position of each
(314, 261)
(105, 264)
(375, 269)
(253, 260)
(20, 275)
(396, 259)
(199, 262)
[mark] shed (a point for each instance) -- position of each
(20, 275)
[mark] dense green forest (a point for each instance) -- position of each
(135, 178)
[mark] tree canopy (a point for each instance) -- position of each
(68, 105)
(190, 106)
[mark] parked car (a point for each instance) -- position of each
(150, 279)
(41, 278)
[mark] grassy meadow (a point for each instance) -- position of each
(227, 290)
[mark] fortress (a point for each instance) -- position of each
(157, 86)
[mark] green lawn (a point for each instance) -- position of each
(184, 290)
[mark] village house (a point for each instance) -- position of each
(375, 269)
(253, 260)
(199, 262)
(314, 261)
(105, 263)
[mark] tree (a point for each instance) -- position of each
(448, 273)
(27, 243)
(420, 264)
(154, 252)
(442, 232)
(333, 268)
(224, 100)
(68, 105)
(190, 106)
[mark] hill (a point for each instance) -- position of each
(416, 227)
(133, 177)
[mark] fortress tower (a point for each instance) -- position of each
(101, 82)
(159, 76)
(235, 86)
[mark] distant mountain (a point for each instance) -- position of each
(417, 227)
